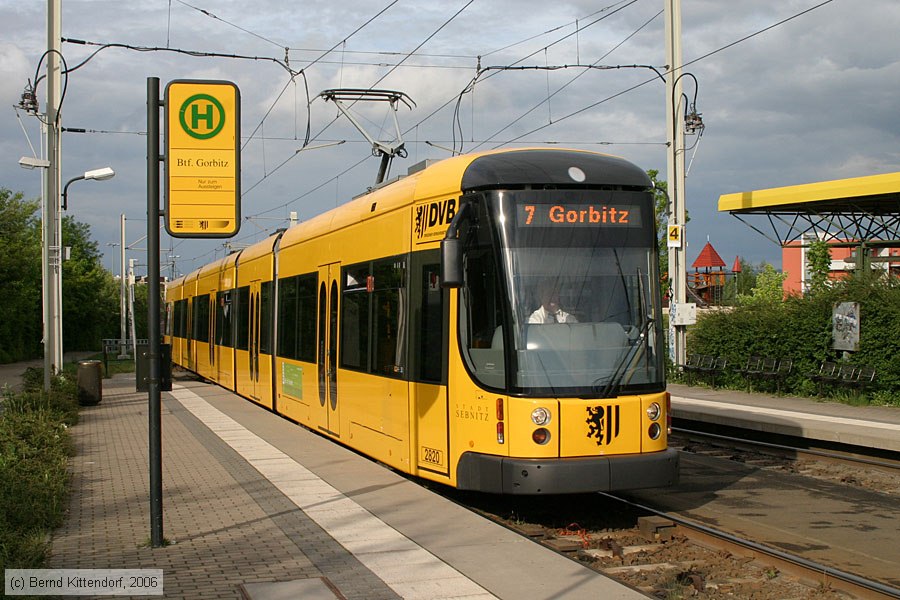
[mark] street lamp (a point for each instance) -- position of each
(28, 162)
(96, 174)
(100, 174)
(111, 257)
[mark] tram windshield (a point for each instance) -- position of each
(561, 295)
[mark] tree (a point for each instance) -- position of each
(20, 278)
(741, 283)
(661, 212)
(90, 304)
(768, 289)
(90, 294)
(818, 257)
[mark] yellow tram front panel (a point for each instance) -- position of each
(601, 426)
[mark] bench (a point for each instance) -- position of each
(706, 365)
(760, 368)
(752, 366)
(717, 366)
(859, 379)
(778, 374)
(826, 373)
(693, 364)
(856, 377)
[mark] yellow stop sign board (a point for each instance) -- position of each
(203, 158)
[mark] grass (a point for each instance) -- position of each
(112, 365)
(34, 450)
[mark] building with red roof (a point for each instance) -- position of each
(708, 279)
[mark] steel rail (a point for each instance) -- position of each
(853, 458)
(854, 584)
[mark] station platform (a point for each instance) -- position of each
(866, 426)
(259, 508)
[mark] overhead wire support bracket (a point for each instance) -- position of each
(387, 150)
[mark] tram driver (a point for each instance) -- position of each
(550, 311)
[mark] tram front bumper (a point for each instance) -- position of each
(503, 475)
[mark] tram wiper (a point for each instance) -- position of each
(619, 372)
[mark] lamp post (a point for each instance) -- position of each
(112, 269)
(93, 175)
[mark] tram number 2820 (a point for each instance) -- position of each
(432, 455)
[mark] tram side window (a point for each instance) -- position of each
(297, 317)
(287, 317)
(265, 317)
(178, 318)
(242, 319)
(201, 318)
(389, 331)
(482, 304)
(306, 317)
(167, 324)
(355, 317)
(374, 317)
(430, 337)
(224, 314)
(183, 319)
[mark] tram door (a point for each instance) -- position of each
(189, 334)
(211, 327)
(327, 348)
(260, 342)
(254, 372)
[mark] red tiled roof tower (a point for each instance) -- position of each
(708, 258)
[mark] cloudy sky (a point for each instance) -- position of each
(812, 99)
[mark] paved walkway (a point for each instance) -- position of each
(258, 508)
(226, 527)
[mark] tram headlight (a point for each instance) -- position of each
(653, 411)
(654, 431)
(541, 436)
(540, 416)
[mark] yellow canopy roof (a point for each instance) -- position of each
(874, 194)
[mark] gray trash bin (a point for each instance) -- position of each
(89, 381)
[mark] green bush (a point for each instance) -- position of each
(34, 450)
(800, 328)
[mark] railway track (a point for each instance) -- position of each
(819, 577)
(639, 539)
(790, 448)
(666, 555)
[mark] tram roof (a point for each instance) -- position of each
(872, 194)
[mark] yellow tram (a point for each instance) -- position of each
(490, 321)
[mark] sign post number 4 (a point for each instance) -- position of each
(202, 156)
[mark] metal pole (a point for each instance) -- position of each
(52, 298)
(155, 410)
(675, 170)
(123, 334)
(46, 305)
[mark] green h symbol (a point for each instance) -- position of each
(202, 108)
(206, 116)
